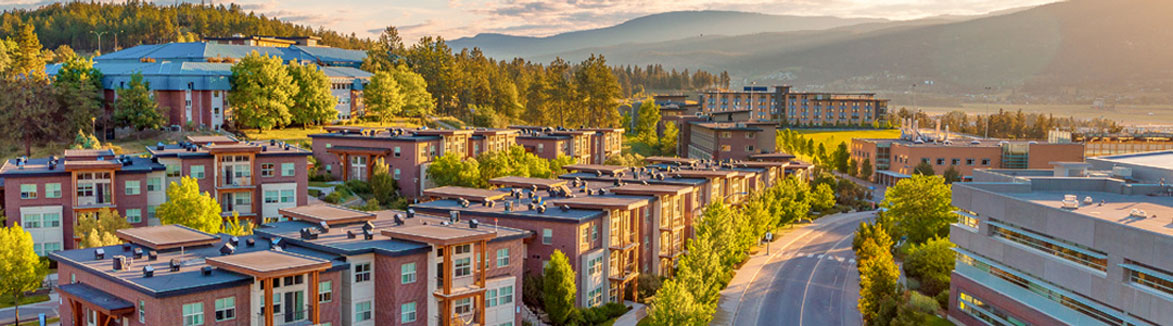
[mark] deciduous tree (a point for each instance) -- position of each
(865, 169)
(22, 270)
(187, 206)
(99, 228)
(262, 92)
(383, 97)
(312, 101)
(924, 168)
(675, 306)
(920, 207)
(451, 170)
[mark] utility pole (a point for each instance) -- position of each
(116, 40)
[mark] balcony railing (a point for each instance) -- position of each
(243, 181)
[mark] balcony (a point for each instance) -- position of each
(623, 273)
(236, 182)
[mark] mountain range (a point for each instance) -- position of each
(1071, 49)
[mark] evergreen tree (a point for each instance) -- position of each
(186, 206)
(262, 93)
(951, 175)
(312, 101)
(840, 157)
(668, 140)
(865, 169)
(136, 106)
(383, 97)
(852, 167)
(79, 93)
(558, 288)
(84, 141)
(648, 119)
(23, 271)
(27, 60)
(599, 90)
(924, 168)
(29, 111)
(383, 185)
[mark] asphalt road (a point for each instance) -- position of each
(813, 281)
(27, 313)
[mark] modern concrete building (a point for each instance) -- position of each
(895, 159)
(190, 81)
(781, 104)
(1066, 246)
(324, 266)
(46, 195)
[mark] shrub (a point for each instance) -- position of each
(334, 197)
(943, 299)
(358, 187)
(648, 285)
(531, 290)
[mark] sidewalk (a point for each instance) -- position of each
(730, 301)
(632, 317)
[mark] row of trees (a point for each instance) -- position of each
(723, 238)
(635, 79)
(142, 22)
(918, 214)
(452, 170)
(840, 159)
(1007, 124)
(654, 136)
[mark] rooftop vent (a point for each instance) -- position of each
(1087, 200)
(350, 234)
(541, 209)
(1137, 213)
(565, 208)
(410, 213)
(308, 234)
(473, 223)
(368, 234)
(99, 253)
(250, 242)
(206, 270)
(508, 206)
(368, 226)
(532, 206)
(1070, 202)
(125, 247)
(454, 216)
(235, 240)
(121, 263)
(138, 253)
(159, 146)
(175, 264)
(148, 271)
(398, 219)
(491, 203)
(152, 255)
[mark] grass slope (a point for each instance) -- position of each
(831, 138)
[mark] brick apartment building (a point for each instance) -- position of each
(324, 266)
(895, 159)
(190, 80)
(781, 104)
(586, 145)
(728, 140)
(45, 195)
(1078, 244)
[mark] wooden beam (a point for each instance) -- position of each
(268, 283)
(315, 309)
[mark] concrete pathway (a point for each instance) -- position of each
(632, 317)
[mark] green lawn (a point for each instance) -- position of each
(831, 138)
(133, 144)
(6, 301)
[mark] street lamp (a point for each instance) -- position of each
(99, 39)
(116, 40)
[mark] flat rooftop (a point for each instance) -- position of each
(603, 202)
(596, 168)
(1116, 207)
(338, 241)
(524, 182)
(1158, 159)
(164, 237)
(518, 208)
(269, 263)
(332, 215)
(471, 194)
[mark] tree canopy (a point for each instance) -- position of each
(23, 271)
(98, 228)
(136, 106)
(921, 208)
(187, 206)
(262, 93)
(558, 288)
(312, 101)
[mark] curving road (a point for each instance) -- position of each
(810, 279)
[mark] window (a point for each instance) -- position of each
(940, 161)
(502, 257)
(133, 187)
(173, 170)
(52, 190)
(396, 176)
(1148, 276)
(726, 148)
(266, 169)
(362, 311)
(464, 306)
(154, 184)
(271, 197)
(31, 221)
(142, 307)
(499, 296)
(749, 148)
(594, 232)
(28, 191)
(325, 291)
(193, 314)
(362, 272)
(134, 215)
(397, 152)
(287, 196)
(547, 236)
(969, 161)
(985, 162)
(978, 309)
(287, 169)
(151, 211)
(407, 312)
(462, 267)
(196, 171)
(956, 161)
(1078, 254)
(407, 273)
(225, 309)
(967, 218)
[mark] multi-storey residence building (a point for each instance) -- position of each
(604, 143)
(781, 104)
(895, 159)
(729, 140)
(325, 265)
(1067, 246)
(490, 140)
(190, 81)
(46, 195)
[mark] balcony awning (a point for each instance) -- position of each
(97, 299)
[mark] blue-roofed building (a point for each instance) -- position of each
(323, 265)
(191, 79)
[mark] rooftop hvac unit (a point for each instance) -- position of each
(1137, 213)
(1122, 172)
(1087, 200)
(1070, 201)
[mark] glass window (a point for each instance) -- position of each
(142, 310)
(407, 273)
(193, 314)
(547, 236)
(134, 215)
(1078, 254)
(362, 311)
(325, 291)
(407, 312)
(502, 257)
(464, 306)
(172, 170)
(978, 308)
(1149, 276)
(462, 267)
(271, 196)
(362, 272)
(151, 211)
(132, 187)
(28, 191)
(31, 221)
(287, 196)
(154, 184)
(52, 190)
(287, 169)
(225, 308)
(267, 169)
(197, 171)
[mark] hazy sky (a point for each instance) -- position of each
(458, 18)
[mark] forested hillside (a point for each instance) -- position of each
(137, 22)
